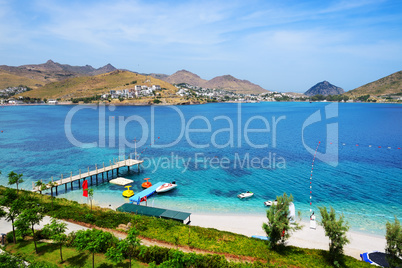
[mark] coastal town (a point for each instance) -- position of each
(188, 92)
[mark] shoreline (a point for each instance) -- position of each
(251, 224)
(176, 104)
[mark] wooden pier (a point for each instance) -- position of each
(89, 174)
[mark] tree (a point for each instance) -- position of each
(124, 247)
(3, 213)
(394, 243)
(14, 178)
(335, 230)
(91, 196)
(51, 185)
(279, 228)
(9, 196)
(94, 241)
(32, 215)
(13, 212)
(42, 186)
(56, 231)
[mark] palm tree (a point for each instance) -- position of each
(14, 178)
(51, 185)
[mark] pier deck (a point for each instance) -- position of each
(82, 176)
(147, 192)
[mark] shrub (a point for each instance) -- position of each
(278, 228)
(336, 232)
(394, 242)
(70, 239)
(89, 218)
(39, 234)
(9, 237)
(10, 261)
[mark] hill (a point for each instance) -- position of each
(158, 76)
(324, 88)
(12, 80)
(230, 83)
(88, 86)
(391, 84)
(184, 76)
(226, 82)
(52, 71)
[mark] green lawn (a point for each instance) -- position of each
(50, 253)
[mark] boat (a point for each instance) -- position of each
(247, 194)
(166, 187)
(269, 203)
(128, 193)
(146, 184)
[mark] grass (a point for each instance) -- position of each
(49, 253)
(194, 237)
(11, 80)
(391, 84)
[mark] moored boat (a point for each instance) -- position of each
(166, 187)
(269, 203)
(247, 194)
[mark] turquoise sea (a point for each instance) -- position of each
(216, 151)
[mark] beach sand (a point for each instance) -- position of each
(306, 238)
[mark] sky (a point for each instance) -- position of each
(287, 45)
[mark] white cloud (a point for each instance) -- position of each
(135, 22)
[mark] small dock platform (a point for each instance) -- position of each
(155, 212)
(147, 192)
(115, 166)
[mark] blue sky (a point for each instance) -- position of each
(280, 45)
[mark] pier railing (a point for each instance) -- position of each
(117, 163)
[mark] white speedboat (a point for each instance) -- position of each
(166, 187)
(269, 203)
(247, 194)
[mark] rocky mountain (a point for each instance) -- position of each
(391, 84)
(184, 76)
(105, 69)
(158, 76)
(52, 71)
(324, 88)
(226, 82)
(230, 83)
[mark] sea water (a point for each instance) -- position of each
(216, 151)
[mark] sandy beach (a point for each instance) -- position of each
(306, 238)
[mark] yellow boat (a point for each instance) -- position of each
(128, 193)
